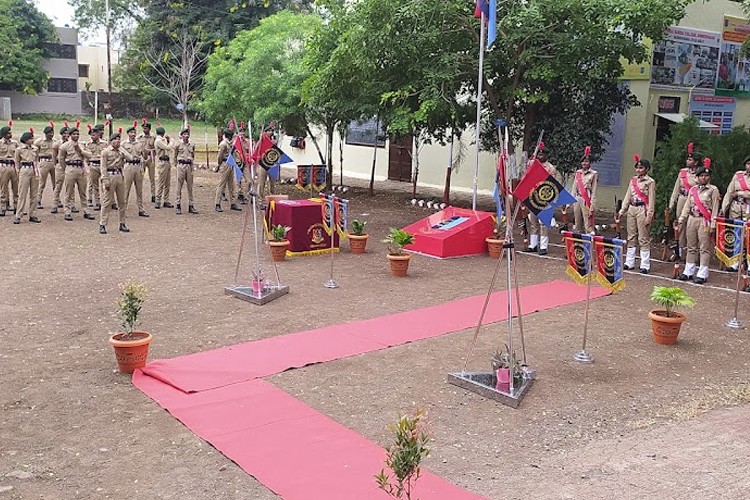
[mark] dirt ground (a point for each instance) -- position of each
(643, 421)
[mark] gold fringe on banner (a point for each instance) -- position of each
(728, 261)
(615, 287)
(313, 252)
(573, 273)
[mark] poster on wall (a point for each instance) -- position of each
(719, 110)
(734, 69)
(686, 59)
(610, 165)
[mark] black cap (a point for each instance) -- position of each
(702, 170)
(644, 163)
(747, 159)
(131, 129)
(114, 136)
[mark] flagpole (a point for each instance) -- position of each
(331, 283)
(583, 355)
(480, 81)
(735, 322)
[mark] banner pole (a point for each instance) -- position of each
(480, 82)
(583, 356)
(331, 283)
(735, 322)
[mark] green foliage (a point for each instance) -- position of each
(671, 297)
(397, 239)
(259, 74)
(358, 227)
(506, 359)
(24, 33)
(278, 232)
(132, 295)
(404, 457)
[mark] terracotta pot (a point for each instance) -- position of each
(399, 264)
(665, 329)
(131, 354)
(495, 247)
(357, 243)
(278, 250)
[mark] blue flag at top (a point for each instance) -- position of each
(233, 163)
(492, 23)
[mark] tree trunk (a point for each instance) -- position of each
(448, 173)
(374, 157)
(315, 142)
(341, 158)
(415, 162)
(329, 154)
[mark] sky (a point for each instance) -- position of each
(61, 14)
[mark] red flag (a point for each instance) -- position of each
(239, 148)
(535, 175)
(264, 144)
(503, 179)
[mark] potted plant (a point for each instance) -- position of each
(131, 346)
(503, 364)
(357, 236)
(666, 323)
(278, 242)
(496, 241)
(404, 457)
(396, 241)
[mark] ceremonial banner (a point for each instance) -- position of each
(303, 177)
(541, 192)
(311, 175)
(232, 162)
(578, 250)
(729, 240)
(342, 214)
(609, 263)
(328, 213)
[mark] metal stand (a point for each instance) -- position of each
(583, 355)
(735, 323)
(331, 283)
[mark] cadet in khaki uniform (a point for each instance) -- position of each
(736, 203)
(639, 201)
(584, 189)
(60, 168)
(226, 182)
(539, 233)
(133, 170)
(164, 148)
(47, 153)
(686, 179)
(7, 169)
(112, 183)
(700, 211)
(73, 156)
(28, 178)
(185, 156)
(149, 154)
(95, 146)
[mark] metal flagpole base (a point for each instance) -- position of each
(734, 323)
(583, 357)
(257, 297)
(331, 283)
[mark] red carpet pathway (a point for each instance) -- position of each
(289, 447)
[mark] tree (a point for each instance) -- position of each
(25, 35)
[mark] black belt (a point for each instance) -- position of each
(739, 199)
(113, 171)
(683, 192)
(164, 158)
(185, 162)
(637, 203)
(133, 162)
(45, 157)
(7, 162)
(95, 162)
(27, 163)
(74, 163)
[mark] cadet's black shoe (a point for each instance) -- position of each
(157, 206)
(34, 219)
(68, 217)
(699, 281)
(39, 205)
(16, 221)
(628, 268)
(2, 213)
(223, 197)
(115, 207)
(529, 249)
(143, 213)
(235, 207)
(89, 217)
(683, 277)
(74, 210)
(218, 208)
(60, 205)
(53, 211)
(97, 206)
(89, 203)
(153, 199)
(124, 228)
(542, 251)
(178, 210)
(102, 229)
(644, 271)
(166, 204)
(192, 210)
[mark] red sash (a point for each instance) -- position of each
(637, 190)
(582, 189)
(685, 180)
(699, 205)
(740, 176)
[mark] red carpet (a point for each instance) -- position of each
(297, 452)
(230, 365)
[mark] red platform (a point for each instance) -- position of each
(453, 232)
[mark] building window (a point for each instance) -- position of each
(61, 51)
(67, 85)
(83, 70)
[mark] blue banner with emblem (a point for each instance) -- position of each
(578, 249)
(609, 260)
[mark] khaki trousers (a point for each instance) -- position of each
(133, 175)
(28, 185)
(184, 175)
(163, 179)
(59, 181)
(698, 237)
(6, 173)
(739, 210)
(113, 190)
(46, 169)
(263, 177)
(682, 238)
(582, 214)
(535, 227)
(226, 184)
(637, 228)
(75, 177)
(93, 193)
(149, 166)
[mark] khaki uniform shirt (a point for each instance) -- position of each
(95, 148)
(709, 195)
(551, 169)
(590, 181)
(68, 152)
(734, 190)
(113, 159)
(163, 148)
(224, 147)
(26, 153)
(47, 149)
(679, 187)
(647, 186)
(148, 142)
(134, 149)
(8, 149)
(56, 148)
(185, 152)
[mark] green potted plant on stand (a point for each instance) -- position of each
(278, 242)
(357, 236)
(666, 323)
(399, 261)
(496, 240)
(131, 346)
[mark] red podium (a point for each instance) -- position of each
(307, 236)
(453, 232)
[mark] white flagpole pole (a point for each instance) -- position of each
(480, 81)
